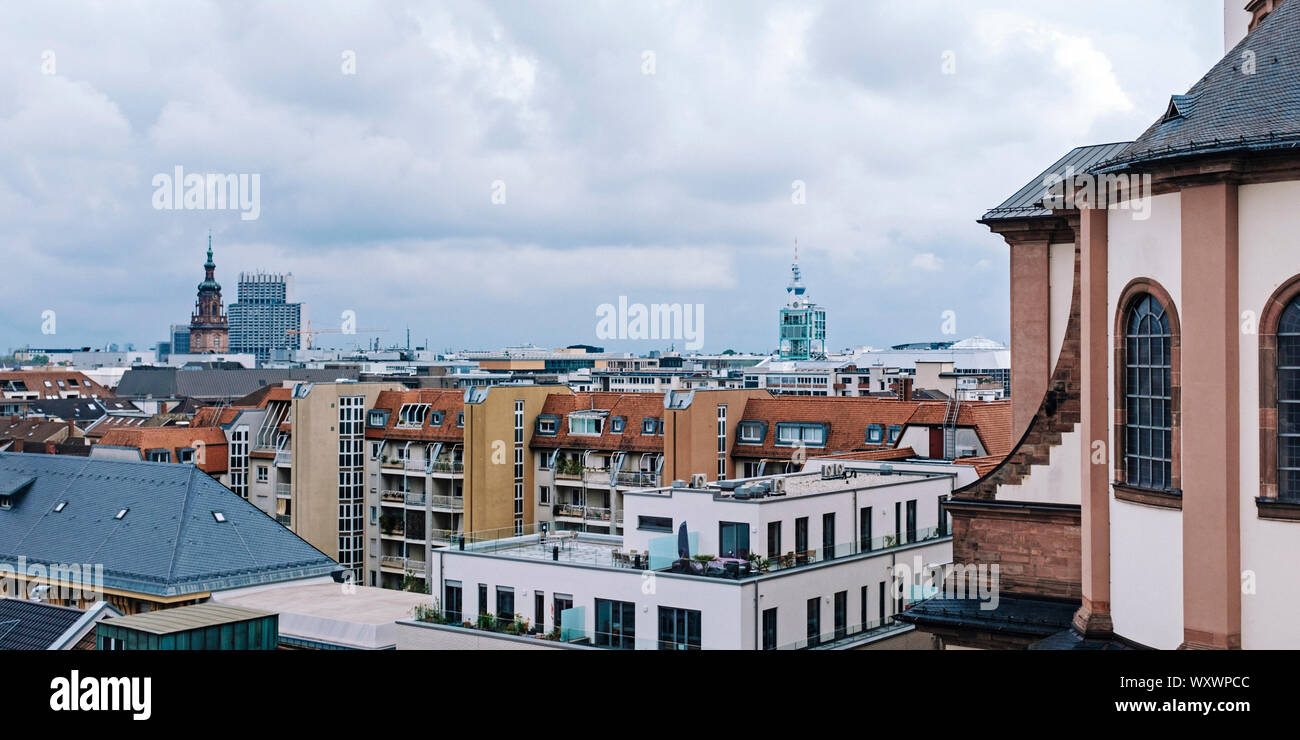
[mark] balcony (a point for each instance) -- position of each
(393, 533)
(452, 467)
(283, 458)
(637, 479)
(283, 490)
(585, 513)
(448, 503)
(415, 465)
(393, 562)
(415, 499)
(392, 497)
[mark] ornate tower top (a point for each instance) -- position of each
(796, 286)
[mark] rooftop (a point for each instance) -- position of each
(153, 526)
(359, 616)
(185, 618)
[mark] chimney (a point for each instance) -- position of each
(903, 389)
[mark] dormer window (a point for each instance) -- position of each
(584, 424)
(875, 434)
(412, 415)
(546, 425)
(752, 432)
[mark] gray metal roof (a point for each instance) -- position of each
(168, 543)
(1230, 109)
(186, 618)
(1027, 202)
(32, 625)
(171, 382)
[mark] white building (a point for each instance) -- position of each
(800, 560)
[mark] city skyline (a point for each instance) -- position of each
(433, 168)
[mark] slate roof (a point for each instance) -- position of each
(171, 382)
(34, 381)
(1229, 109)
(32, 625)
(77, 409)
(168, 543)
(1014, 615)
(1027, 202)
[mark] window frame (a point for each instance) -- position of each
(1271, 503)
(1171, 495)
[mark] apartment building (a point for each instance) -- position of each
(806, 560)
(1155, 476)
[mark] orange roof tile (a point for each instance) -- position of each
(212, 439)
(450, 402)
(632, 407)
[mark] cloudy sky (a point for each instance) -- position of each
(490, 173)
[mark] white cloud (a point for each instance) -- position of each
(927, 262)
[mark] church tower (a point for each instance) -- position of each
(209, 332)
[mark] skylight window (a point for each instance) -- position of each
(221, 518)
(121, 514)
(60, 506)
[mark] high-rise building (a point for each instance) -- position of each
(803, 323)
(262, 316)
(209, 332)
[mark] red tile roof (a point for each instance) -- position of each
(848, 419)
(73, 380)
(450, 402)
(983, 465)
(893, 453)
(633, 407)
(214, 458)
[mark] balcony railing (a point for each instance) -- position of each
(847, 634)
(452, 503)
(392, 561)
(416, 464)
(283, 457)
(448, 466)
(392, 497)
(638, 478)
(590, 513)
(283, 490)
(415, 499)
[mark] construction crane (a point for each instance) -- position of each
(307, 332)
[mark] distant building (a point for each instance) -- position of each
(803, 323)
(209, 331)
(262, 316)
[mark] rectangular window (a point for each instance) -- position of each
(589, 425)
(545, 425)
(841, 614)
(544, 494)
(793, 435)
(505, 605)
(751, 432)
(482, 599)
(875, 434)
(679, 629)
(648, 425)
(882, 602)
(773, 539)
(733, 540)
(801, 535)
(898, 522)
(654, 523)
(451, 602)
(769, 629)
(943, 517)
(615, 624)
(866, 614)
(911, 521)
(864, 529)
(828, 536)
(814, 621)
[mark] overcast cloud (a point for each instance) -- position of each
(675, 186)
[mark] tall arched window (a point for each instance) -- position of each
(1288, 403)
(1148, 408)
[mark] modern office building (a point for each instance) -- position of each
(803, 323)
(263, 315)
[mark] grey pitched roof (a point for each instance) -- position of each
(1027, 202)
(170, 382)
(78, 409)
(1229, 109)
(168, 543)
(32, 625)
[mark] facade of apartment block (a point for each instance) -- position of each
(828, 545)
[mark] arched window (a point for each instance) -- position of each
(1288, 403)
(1147, 389)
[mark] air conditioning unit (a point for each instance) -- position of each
(699, 480)
(778, 486)
(832, 470)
